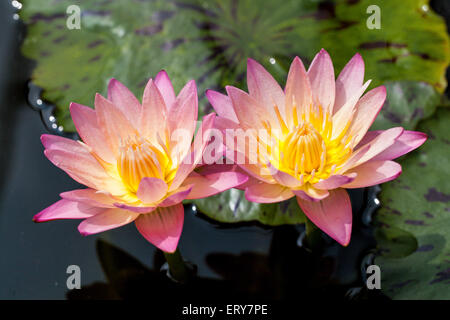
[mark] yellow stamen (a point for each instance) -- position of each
(140, 159)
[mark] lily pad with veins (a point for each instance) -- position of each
(418, 203)
(210, 41)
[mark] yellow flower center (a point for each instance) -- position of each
(308, 151)
(303, 149)
(140, 159)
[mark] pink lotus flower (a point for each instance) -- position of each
(318, 142)
(133, 168)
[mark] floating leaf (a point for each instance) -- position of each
(210, 40)
(407, 102)
(418, 203)
(231, 206)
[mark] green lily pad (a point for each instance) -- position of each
(209, 40)
(418, 204)
(407, 102)
(231, 206)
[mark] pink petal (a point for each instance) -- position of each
(310, 193)
(154, 113)
(113, 123)
(321, 77)
(283, 178)
(209, 185)
(90, 197)
(125, 100)
(135, 208)
(263, 88)
(182, 118)
(345, 114)
(333, 215)
(221, 104)
(162, 227)
(407, 142)
(258, 172)
(267, 193)
(349, 81)
(356, 156)
(298, 89)
(65, 209)
(176, 197)
(185, 105)
(151, 190)
(53, 142)
(164, 85)
(193, 158)
(382, 142)
(74, 158)
(249, 111)
(85, 120)
(367, 110)
(106, 220)
(373, 173)
(334, 182)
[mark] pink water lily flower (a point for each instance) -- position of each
(133, 167)
(318, 143)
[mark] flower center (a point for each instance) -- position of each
(140, 159)
(303, 150)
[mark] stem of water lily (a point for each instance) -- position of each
(313, 236)
(177, 267)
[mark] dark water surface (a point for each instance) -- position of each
(246, 260)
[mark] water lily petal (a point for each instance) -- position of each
(184, 111)
(367, 110)
(90, 197)
(222, 105)
(106, 220)
(125, 100)
(151, 189)
(382, 142)
(334, 182)
(258, 172)
(321, 77)
(177, 196)
(356, 155)
(374, 172)
(298, 90)
(135, 208)
(164, 85)
(182, 120)
(250, 113)
(283, 178)
(344, 115)
(74, 158)
(407, 142)
(154, 113)
(209, 185)
(267, 193)
(162, 227)
(85, 120)
(349, 81)
(333, 215)
(113, 123)
(66, 209)
(193, 158)
(264, 88)
(310, 193)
